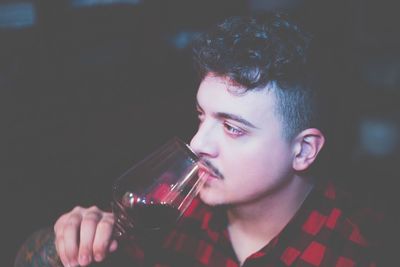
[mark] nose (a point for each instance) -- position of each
(204, 142)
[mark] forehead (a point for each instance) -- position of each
(217, 94)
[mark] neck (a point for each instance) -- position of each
(260, 221)
(276, 208)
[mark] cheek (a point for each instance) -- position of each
(259, 166)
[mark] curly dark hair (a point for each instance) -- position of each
(264, 51)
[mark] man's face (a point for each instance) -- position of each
(241, 136)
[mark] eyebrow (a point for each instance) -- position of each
(230, 116)
(235, 118)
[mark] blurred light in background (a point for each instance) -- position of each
(88, 3)
(262, 5)
(17, 15)
(382, 72)
(181, 39)
(379, 137)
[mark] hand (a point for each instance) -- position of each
(84, 235)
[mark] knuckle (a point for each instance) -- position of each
(94, 208)
(91, 217)
(76, 208)
(60, 221)
(73, 220)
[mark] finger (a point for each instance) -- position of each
(113, 246)
(71, 237)
(103, 236)
(59, 239)
(61, 251)
(87, 234)
(59, 223)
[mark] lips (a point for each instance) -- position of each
(208, 167)
(206, 174)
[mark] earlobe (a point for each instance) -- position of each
(307, 146)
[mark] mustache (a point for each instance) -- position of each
(214, 169)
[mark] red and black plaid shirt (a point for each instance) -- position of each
(326, 231)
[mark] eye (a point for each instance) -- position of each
(232, 130)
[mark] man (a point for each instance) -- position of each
(261, 128)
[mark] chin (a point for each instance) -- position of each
(211, 197)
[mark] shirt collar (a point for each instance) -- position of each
(298, 233)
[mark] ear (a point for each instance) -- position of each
(307, 145)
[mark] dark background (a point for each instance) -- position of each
(87, 89)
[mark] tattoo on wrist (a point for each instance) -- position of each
(38, 250)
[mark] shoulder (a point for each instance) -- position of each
(352, 218)
(350, 229)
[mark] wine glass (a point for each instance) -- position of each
(153, 194)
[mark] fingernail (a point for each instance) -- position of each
(84, 260)
(98, 257)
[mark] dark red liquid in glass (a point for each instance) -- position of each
(141, 219)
